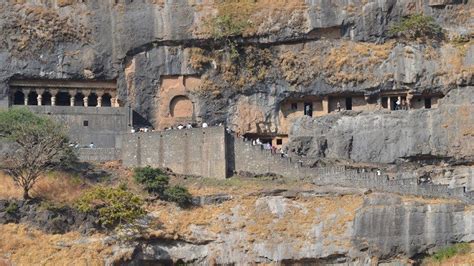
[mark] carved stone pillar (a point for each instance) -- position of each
(72, 97)
(40, 97)
(99, 98)
(53, 97)
(409, 98)
(86, 97)
(114, 100)
(26, 93)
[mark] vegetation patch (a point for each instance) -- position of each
(156, 182)
(153, 179)
(115, 206)
(416, 27)
(447, 253)
(178, 194)
(31, 30)
(37, 145)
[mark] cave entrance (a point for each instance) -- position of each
(63, 99)
(33, 98)
(46, 98)
(308, 109)
(79, 99)
(18, 98)
(349, 103)
(106, 100)
(427, 103)
(92, 100)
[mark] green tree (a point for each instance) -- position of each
(417, 26)
(154, 179)
(178, 194)
(36, 145)
(115, 206)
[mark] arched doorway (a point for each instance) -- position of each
(18, 98)
(92, 100)
(79, 99)
(46, 98)
(106, 100)
(63, 99)
(33, 98)
(181, 107)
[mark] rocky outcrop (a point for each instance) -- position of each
(47, 217)
(443, 134)
(312, 228)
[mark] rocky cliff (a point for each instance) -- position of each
(438, 135)
(309, 227)
(315, 226)
(284, 49)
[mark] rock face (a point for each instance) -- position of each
(314, 229)
(442, 134)
(289, 50)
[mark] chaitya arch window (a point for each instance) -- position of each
(181, 106)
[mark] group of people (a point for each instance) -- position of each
(187, 126)
(401, 105)
(142, 129)
(268, 146)
(76, 145)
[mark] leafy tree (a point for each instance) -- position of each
(154, 179)
(417, 26)
(36, 145)
(178, 194)
(115, 206)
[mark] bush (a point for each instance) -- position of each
(115, 206)
(451, 251)
(417, 26)
(154, 180)
(12, 208)
(178, 194)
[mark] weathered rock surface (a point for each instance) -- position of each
(443, 134)
(346, 229)
(138, 43)
(48, 218)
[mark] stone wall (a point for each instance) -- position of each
(199, 151)
(102, 126)
(99, 154)
(247, 158)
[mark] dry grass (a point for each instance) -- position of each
(58, 187)
(20, 245)
(36, 29)
(337, 62)
(261, 15)
(353, 61)
(253, 217)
